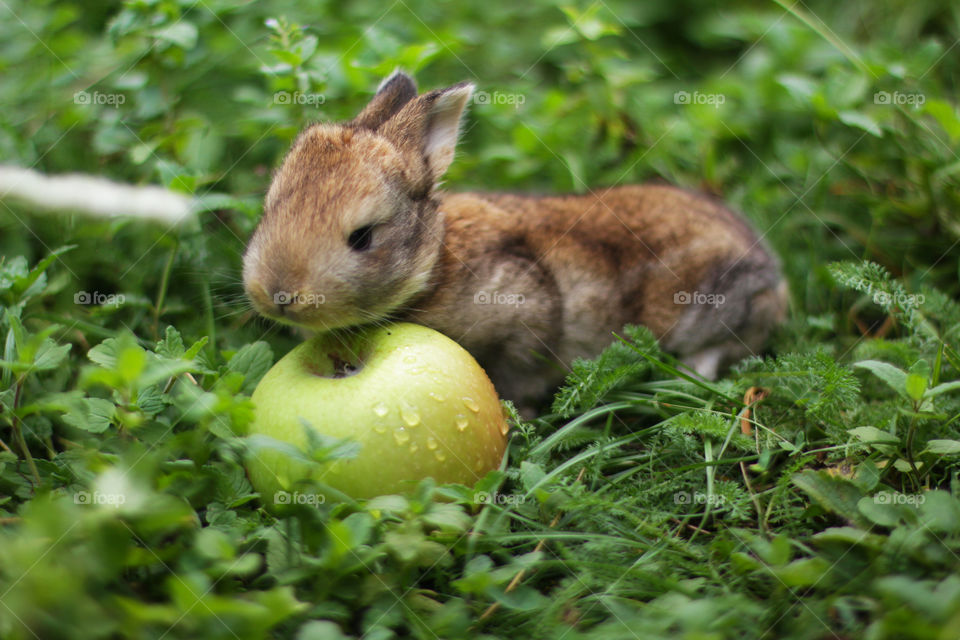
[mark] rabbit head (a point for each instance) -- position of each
(351, 228)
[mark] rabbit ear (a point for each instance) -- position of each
(394, 92)
(443, 128)
(428, 127)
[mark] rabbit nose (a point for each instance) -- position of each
(282, 300)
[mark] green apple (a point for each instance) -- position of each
(415, 402)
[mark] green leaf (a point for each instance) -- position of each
(181, 33)
(40, 353)
(944, 387)
(945, 114)
(151, 400)
(775, 552)
(835, 494)
(448, 518)
(214, 544)
(273, 605)
(35, 280)
(867, 476)
(804, 572)
(172, 344)
(861, 120)
(894, 377)
(324, 448)
(50, 355)
(916, 386)
(902, 465)
(258, 442)
(321, 630)
(490, 482)
(918, 380)
(105, 353)
(875, 281)
(12, 271)
(881, 510)
(590, 381)
(292, 58)
(91, 414)
(814, 381)
(361, 527)
(943, 447)
(531, 474)
(939, 512)
(9, 350)
(709, 424)
(195, 348)
(523, 599)
(130, 362)
(252, 361)
(159, 370)
(389, 503)
(850, 536)
(800, 87)
(876, 438)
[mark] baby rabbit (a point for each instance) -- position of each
(356, 231)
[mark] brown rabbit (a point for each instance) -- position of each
(355, 231)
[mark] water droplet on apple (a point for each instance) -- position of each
(414, 447)
(415, 371)
(410, 416)
(439, 455)
(381, 409)
(379, 428)
(401, 436)
(436, 396)
(462, 422)
(504, 427)
(478, 465)
(432, 443)
(409, 359)
(471, 404)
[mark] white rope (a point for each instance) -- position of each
(92, 195)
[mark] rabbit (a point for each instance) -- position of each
(356, 231)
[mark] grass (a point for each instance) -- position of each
(644, 503)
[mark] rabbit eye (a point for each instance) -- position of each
(361, 238)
